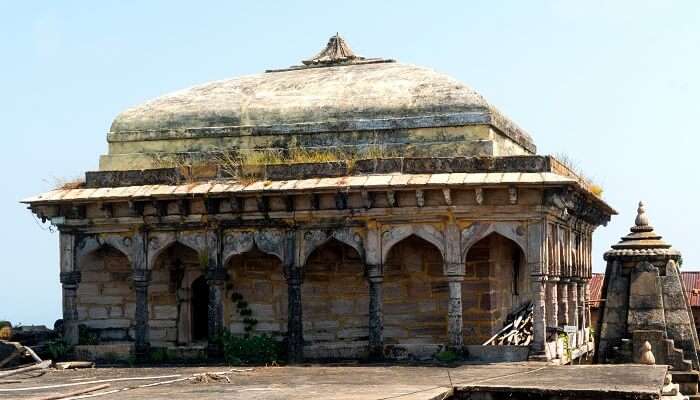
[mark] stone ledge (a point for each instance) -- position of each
(413, 165)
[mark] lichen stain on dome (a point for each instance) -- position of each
(363, 91)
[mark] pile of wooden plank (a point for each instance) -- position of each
(518, 329)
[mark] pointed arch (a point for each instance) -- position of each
(479, 230)
(269, 241)
(426, 232)
(158, 242)
(90, 244)
(313, 239)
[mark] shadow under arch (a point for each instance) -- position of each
(415, 294)
(106, 298)
(255, 279)
(170, 316)
(335, 302)
(496, 282)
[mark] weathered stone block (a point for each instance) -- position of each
(97, 312)
(165, 312)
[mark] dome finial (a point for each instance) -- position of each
(642, 219)
(336, 51)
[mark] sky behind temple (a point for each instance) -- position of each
(613, 85)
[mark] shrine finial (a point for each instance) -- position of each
(336, 51)
(642, 219)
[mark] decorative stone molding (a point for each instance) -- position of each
(315, 238)
(393, 235)
(479, 230)
(270, 241)
(88, 244)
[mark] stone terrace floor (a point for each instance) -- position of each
(357, 382)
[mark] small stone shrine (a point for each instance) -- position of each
(644, 305)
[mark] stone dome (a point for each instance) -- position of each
(296, 106)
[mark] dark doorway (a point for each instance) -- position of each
(200, 309)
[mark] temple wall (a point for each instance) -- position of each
(175, 269)
(470, 140)
(335, 300)
(491, 288)
(258, 279)
(106, 300)
(415, 294)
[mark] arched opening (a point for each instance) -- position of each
(170, 296)
(335, 303)
(415, 294)
(496, 282)
(255, 301)
(200, 309)
(106, 298)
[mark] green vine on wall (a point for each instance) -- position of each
(243, 309)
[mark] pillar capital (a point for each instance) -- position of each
(216, 276)
(374, 271)
(70, 278)
(142, 277)
(454, 269)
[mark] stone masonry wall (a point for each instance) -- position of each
(259, 279)
(177, 267)
(415, 294)
(490, 290)
(106, 300)
(335, 300)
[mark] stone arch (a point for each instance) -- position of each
(255, 278)
(496, 282)
(335, 301)
(89, 244)
(106, 299)
(480, 230)
(174, 268)
(313, 239)
(428, 233)
(159, 242)
(415, 291)
(267, 241)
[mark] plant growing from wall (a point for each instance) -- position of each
(58, 349)
(243, 309)
(86, 336)
(565, 341)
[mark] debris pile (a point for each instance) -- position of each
(518, 328)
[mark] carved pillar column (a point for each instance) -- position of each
(582, 318)
(455, 270)
(69, 283)
(573, 307)
(70, 279)
(563, 310)
(295, 322)
(376, 316)
(375, 276)
(552, 302)
(455, 323)
(216, 279)
(586, 307)
(142, 278)
(539, 320)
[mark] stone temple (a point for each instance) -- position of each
(430, 219)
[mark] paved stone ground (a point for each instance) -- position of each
(354, 382)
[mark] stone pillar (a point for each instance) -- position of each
(142, 278)
(573, 309)
(552, 302)
(582, 317)
(539, 323)
(69, 283)
(376, 316)
(562, 293)
(454, 312)
(216, 279)
(295, 325)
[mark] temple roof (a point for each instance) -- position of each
(334, 91)
(642, 239)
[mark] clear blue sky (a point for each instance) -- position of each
(612, 84)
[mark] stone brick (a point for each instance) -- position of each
(164, 312)
(97, 312)
(116, 312)
(342, 306)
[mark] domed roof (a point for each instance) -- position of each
(335, 91)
